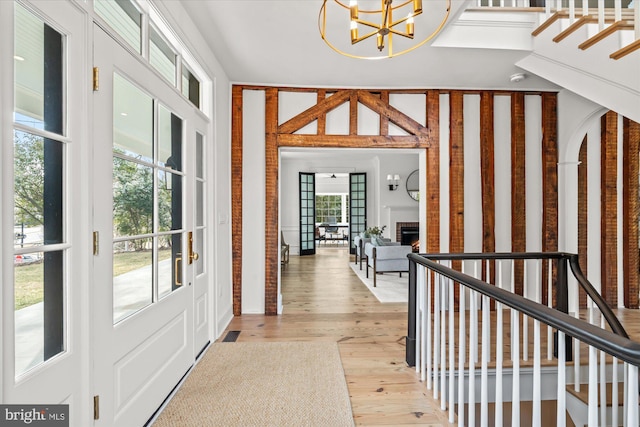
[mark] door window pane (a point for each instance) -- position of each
(169, 201)
(124, 18)
(132, 120)
(132, 276)
(169, 139)
(37, 203)
(132, 198)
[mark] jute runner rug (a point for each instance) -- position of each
(263, 384)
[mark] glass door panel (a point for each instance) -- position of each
(307, 183)
(39, 216)
(357, 206)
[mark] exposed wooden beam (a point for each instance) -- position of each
(456, 178)
(353, 114)
(322, 118)
(609, 208)
(272, 249)
(433, 172)
(384, 121)
(518, 186)
(631, 210)
(549, 174)
(236, 196)
(313, 113)
(487, 181)
(396, 116)
(352, 141)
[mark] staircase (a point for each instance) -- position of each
(592, 51)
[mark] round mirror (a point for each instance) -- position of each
(413, 185)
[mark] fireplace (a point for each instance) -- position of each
(408, 233)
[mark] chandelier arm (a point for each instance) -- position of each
(399, 33)
(367, 23)
(366, 36)
(400, 21)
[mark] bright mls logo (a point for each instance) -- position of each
(34, 415)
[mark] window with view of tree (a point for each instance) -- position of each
(332, 208)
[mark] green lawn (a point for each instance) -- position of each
(29, 279)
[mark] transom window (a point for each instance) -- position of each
(154, 41)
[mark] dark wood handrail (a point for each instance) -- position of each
(615, 342)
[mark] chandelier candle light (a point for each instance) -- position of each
(380, 23)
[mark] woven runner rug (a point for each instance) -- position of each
(263, 384)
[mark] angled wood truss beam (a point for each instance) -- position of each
(418, 134)
(396, 116)
(314, 113)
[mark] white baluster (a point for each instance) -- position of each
(593, 386)
(473, 355)
(614, 393)
(484, 373)
(499, 359)
(632, 410)
(462, 337)
(525, 318)
(420, 285)
(603, 382)
(625, 397)
(515, 355)
(572, 11)
(561, 412)
(550, 305)
(443, 345)
(428, 327)
(452, 358)
(436, 337)
(537, 410)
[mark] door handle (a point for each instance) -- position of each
(176, 269)
(193, 256)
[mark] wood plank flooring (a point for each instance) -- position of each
(325, 301)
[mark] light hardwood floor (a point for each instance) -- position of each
(325, 301)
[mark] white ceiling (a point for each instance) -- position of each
(277, 42)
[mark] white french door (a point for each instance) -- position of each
(43, 346)
(147, 304)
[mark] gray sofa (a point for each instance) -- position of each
(392, 257)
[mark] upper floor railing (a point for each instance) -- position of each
(470, 340)
(610, 16)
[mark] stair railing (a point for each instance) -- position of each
(469, 340)
(610, 16)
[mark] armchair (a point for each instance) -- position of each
(359, 243)
(388, 258)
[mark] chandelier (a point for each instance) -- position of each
(391, 20)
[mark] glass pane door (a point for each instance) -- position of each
(307, 213)
(357, 207)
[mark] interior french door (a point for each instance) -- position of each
(307, 185)
(143, 303)
(357, 206)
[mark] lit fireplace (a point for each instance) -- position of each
(408, 233)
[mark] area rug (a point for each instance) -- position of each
(389, 286)
(263, 384)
